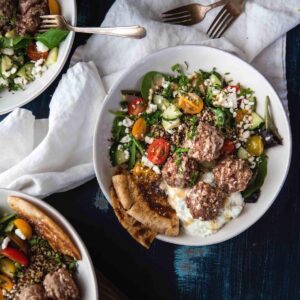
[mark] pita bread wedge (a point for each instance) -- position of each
(45, 226)
(149, 209)
(137, 230)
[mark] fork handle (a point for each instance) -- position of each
(135, 32)
(218, 3)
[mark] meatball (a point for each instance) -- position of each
(7, 9)
(29, 12)
(206, 145)
(180, 171)
(60, 285)
(232, 174)
(204, 201)
(34, 292)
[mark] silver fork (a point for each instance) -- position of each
(189, 14)
(225, 18)
(57, 21)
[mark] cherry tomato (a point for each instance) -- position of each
(228, 147)
(6, 283)
(255, 145)
(192, 105)
(15, 255)
(33, 54)
(236, 87)
(136, 106)
(158, 151)
(139, 129)
(24, 227)
(54, 7)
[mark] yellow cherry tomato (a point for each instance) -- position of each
(6, 283)
(255, 145)
(144, 172)
(7, 267)
(54, 7)
(191, 104)
(24, 227)
(139, 129)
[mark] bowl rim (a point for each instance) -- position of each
(165, 238)
(55, 74)
(65, 223)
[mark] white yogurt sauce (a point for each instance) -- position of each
(234, 205)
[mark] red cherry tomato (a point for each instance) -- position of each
(228, 147)
(136, 106)
(158, 151)
(236, 87)
(33, 54)
(15, 255)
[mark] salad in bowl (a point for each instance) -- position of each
(190, 149)
(25, 52)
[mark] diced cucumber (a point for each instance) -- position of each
(171, 113)
(215, 80)
(10, 34)
(6, 64)
(161, 102)
(243, 153)
(118, 156)
(26, 72)
(171, 124)
(257, 121)
(52, 57)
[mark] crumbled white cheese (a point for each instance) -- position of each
(39, 68)
(8, 51)
(21, 81)
(127, 122)
(3, 82)
(156, 169)
(225, 99)
(146, 162)
(40, 47)
(165, 84)
(125, 139)
(5, 243)
(126, 154)
(39, 62)
(150, 94)
(20, 234)
(127, 130)
(148, 139)
(151, 108)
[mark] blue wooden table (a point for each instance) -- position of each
(261, 263)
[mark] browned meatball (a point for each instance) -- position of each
(204, 201)
(29, 12)
(7, 9)
(232, 174)
(206, 145)
(60, 285)
(34, 292)
(180, 171)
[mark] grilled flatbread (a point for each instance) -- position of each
(149, 209)
(137, 230)
(45, 226)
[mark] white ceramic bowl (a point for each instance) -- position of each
(204, 58)
(86, 277)
(11, 100)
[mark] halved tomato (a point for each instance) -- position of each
(158, 151)
(137, 106)
(228, 147)
(192, 104)
(33, 54)
(236, 87)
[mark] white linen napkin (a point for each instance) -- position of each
(41, 157)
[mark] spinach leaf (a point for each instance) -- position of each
(148, 82)
(153, 118)
(258, 178)
(118, 131)
(52, 38)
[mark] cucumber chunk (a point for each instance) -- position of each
(257, 121)
(215, 80)
(118, 156)
(6, 64)
(171, 113)
(243, 153)
(26, 72)
(161, 102)
(171, 124)
(52, 57)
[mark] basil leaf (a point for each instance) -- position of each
(18, 42)
(52, 38)
(258, 179)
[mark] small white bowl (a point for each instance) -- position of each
(85, 277)
(206, 58)
(11, 100)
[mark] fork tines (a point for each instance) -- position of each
(179, 16)
(221, 23)
(48, 22)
